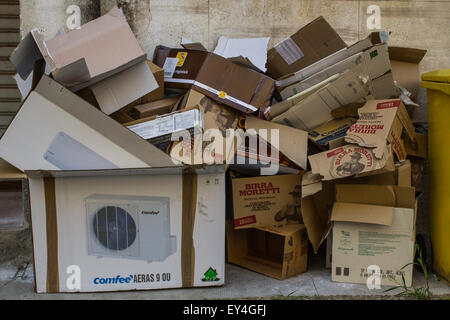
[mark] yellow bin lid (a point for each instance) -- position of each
(437, 80)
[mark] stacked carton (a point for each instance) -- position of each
(138, 169)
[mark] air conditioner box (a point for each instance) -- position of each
(128, 229)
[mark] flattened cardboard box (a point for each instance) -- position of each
(277, 252)
(266, 200)
(134, 229)
(350, 160)
(311, 43)
(55, 129)
(374, 227)
(316, 109)
(85, 56)
(381, 122)
(215, 77)
(335, 59)
(373, 62)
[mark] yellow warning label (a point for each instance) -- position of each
(222, 94)
(181, 58)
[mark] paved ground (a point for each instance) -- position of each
(240, 283)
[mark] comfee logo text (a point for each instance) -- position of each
(117, 279)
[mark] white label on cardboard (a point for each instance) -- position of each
(289, 51)
(169, 67)
(168, 124)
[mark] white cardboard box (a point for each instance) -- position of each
(55, 129)
(373, 229)
(166, 229)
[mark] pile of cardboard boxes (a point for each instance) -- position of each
(143, 175)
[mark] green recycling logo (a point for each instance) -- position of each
(210, 275)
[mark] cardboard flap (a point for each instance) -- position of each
(379, 195)
(106, 44)
(123, 88)
(311, 43)
(362, 213)
(367, 194)
(284, 230)
(72, 74)
(293, 142)
(25, 55)
(410, 55)
(7, 171)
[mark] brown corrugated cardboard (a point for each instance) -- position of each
(374, 38)
(85, 56)
(350, 160)
(418, 147)
(174, 219)
(405, 67)
(9, 172)
(381, 122)
(158, 107)
(266, 201)
(373, 226)
(215, 77)
(311, 43)
(316, 109)
(374, 62)
(56, 129)
(277, 252)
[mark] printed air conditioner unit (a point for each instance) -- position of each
(66, 153)
(130, 227)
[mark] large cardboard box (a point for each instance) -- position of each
(266, 201)
(134, 229)
(381, 122)
(374, 62)
(315, 110)
(373, 227)
(55, 129)
(84, 56)
(308, 45)
(277, 252)
(216, 77)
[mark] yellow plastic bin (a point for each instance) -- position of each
(437, 84)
